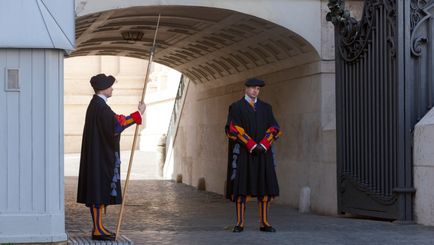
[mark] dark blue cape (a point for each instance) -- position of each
(97, 162)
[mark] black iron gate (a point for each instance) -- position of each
(384, 85)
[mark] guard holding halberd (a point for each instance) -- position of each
(99, 183)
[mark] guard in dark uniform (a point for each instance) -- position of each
(251, 129)
(99, 176)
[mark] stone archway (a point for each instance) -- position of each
(218, 49)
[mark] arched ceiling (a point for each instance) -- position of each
(203, 43)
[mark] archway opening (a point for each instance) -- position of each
(217, 49)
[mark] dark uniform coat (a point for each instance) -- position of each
(249, 174)
(99, 175)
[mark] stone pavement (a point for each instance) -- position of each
(164, 212)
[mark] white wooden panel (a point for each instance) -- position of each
(3, 134)
(52, 129)
(31, 178)
(38, 130)
(13, 122)
(25, 114)
(60, 94)
(39, 227)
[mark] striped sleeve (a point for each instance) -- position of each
(235, 132)
(122, 122)
(272, 134)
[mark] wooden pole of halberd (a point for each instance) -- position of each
(151, 56)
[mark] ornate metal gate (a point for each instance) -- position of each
(384, 85)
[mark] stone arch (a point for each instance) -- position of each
(218, 46)
(204, 43)
(302, 17)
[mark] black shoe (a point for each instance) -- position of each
(111, 233)
(267, 229)
(238, 228)
(103, 237)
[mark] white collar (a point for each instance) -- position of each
(102, 97)
(248, 99)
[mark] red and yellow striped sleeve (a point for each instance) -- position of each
(235, 132)
(123, 122)
(271, 135)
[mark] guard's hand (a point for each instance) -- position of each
(258, 150)
(261, 149)
(141, 107)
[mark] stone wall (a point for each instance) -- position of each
(423, 156)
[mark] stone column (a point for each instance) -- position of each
(423, 159)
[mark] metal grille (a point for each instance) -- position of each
(378, 103)
(76, 238)
(367, 98)
(421, 57)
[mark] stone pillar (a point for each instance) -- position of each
(31, 146)
(423, 157)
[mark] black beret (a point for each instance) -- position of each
(254, 82)
(101, 81)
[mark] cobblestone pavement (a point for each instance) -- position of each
(164, 212)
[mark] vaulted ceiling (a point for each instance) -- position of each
(203, 43)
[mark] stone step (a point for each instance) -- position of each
(85, 239)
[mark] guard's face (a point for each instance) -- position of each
(253, 92)
(107, 92)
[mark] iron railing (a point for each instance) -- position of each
(176, 112)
